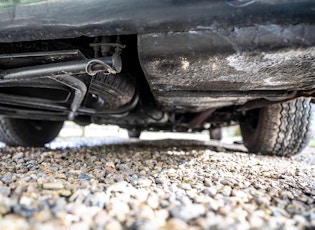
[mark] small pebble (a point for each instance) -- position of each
(53, 186)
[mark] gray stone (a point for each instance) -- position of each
(84, 176)
(7, 178)
(5, 191)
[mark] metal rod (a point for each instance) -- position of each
(79, 88)
(70, 67)
(30, 102)
(199, 119)
(35, 115)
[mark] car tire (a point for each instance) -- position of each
(110, 91)
(21, 132)
(282, 129)
(134, 133)
(215, 134)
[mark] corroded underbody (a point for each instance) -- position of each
(212, 68)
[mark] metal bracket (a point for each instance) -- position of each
(79, 88)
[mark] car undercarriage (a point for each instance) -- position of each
(165, 65)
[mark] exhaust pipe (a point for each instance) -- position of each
(110, 64)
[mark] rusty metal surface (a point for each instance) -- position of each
(205, 66)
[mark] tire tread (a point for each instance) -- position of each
(285, 128)
(18, 132)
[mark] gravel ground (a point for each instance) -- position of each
(155, 185)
